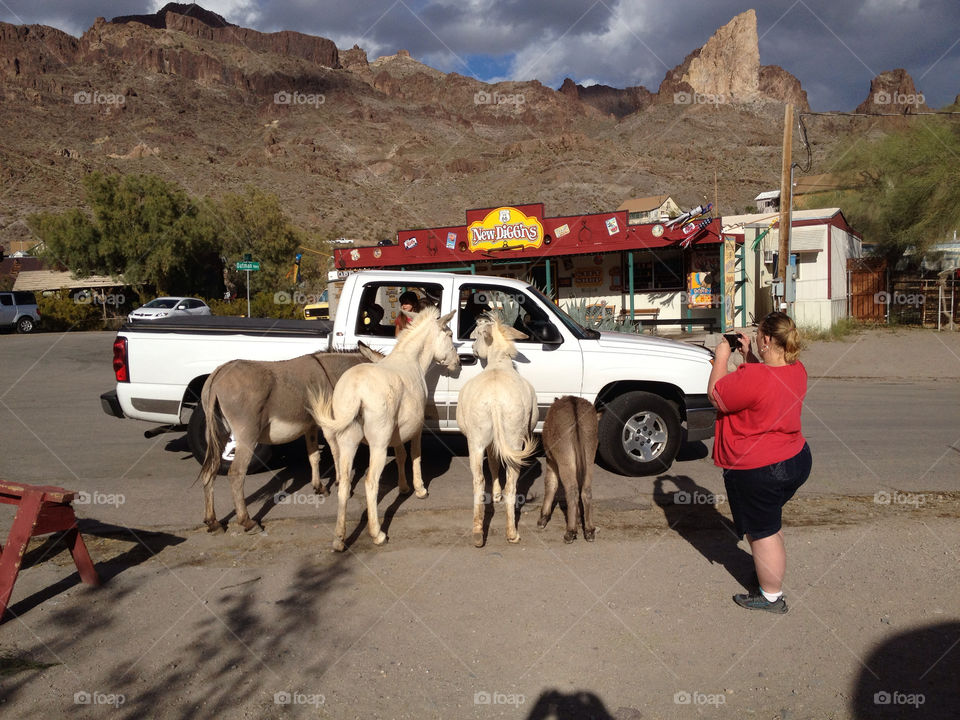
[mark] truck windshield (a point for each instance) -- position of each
(580, 332)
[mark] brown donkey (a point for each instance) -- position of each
(570, 443)
(266, 402)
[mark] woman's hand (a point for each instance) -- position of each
(722, 352)
(745, 345)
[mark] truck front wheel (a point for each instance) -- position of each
(197, 442)
(640, 434)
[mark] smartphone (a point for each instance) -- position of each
(733, 340)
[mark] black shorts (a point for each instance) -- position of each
(757, 496)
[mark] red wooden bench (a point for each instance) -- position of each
(41, 509)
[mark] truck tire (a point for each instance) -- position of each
(197, 442)
(640, 434)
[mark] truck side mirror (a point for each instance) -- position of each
(545, 332)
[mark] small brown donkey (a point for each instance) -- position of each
(266, 402)
(570, 443)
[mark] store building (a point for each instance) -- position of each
(674, 274)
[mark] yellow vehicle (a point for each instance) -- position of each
(319, 310)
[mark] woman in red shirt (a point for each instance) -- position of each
(759, 445)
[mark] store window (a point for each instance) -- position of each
(658, 270)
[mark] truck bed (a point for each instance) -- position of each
(208, 324)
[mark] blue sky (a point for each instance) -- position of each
(834, 48)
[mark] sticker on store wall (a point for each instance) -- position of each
(377, 252)
(355, 255)
(451, 240)
(561, 231)
(612, 227)
(410, 243)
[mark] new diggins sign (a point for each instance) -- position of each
(504, 228)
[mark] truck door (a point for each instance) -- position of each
(554, 370)
(375, 325)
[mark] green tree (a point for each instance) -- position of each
(907, 187)
(254, 222)
(142, 228)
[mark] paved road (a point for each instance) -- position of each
(867, 435)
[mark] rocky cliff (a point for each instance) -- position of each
(727, 69)
(618, 102)
(893, 91)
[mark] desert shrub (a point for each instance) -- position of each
(263, 305)
(61, 312)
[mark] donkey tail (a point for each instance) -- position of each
(216, 433)
(511, 457)
(320, 406)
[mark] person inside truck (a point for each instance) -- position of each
(471, 309)
(408, 302)
(370, 321)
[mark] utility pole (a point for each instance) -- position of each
(786, 194)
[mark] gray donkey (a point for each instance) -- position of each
(570, 444)
(266, 402)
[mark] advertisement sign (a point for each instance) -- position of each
(505, 228)
(729, 280)
(699, 290)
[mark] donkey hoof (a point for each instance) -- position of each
(406, 491)
(321, 490)
(497, 497)
(542, 523)
(380, 539)
(478, 539)
(422, 493)
(515, 539)
(213, 526)
(251, 526)
(569, 537)
(338, 545)
(590, 535)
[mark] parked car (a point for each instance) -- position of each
(18, 309)
(319, 310)
(169, 307)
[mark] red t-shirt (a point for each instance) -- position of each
(758, 418)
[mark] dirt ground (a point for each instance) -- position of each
(639, 624)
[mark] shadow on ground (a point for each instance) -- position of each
(691, 512)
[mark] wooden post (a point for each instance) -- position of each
(786, 193)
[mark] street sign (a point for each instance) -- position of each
(248, 265)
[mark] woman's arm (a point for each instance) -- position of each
(721, 358)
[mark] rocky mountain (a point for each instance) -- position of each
(363, 148)
(893, 92)
(727, 69)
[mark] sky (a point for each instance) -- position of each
(834, 47)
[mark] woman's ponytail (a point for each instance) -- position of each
(781, 329)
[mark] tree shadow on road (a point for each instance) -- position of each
(691, 511)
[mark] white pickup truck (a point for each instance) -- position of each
(652, 390)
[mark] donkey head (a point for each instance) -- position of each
(491, 336)
(443, 350)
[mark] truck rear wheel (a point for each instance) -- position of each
(640, 434)
(197, 442)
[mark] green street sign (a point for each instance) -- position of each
(248, 265)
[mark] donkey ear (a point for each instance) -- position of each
(445, 319)
(511, 333)
(368, 352)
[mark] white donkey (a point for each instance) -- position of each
(384, 407)
(497, 411)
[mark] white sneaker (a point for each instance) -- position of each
(230, 450)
